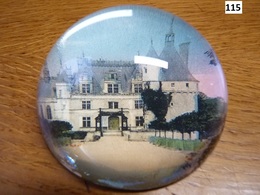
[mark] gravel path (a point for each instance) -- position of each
(114, 151)
(113, 161)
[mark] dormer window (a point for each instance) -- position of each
(138, 88)
(112, 88)
(115, 88)
(85, 88)
(112, 76)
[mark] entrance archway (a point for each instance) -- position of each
(113, 123)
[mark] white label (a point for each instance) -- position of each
(233, 7)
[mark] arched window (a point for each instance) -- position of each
(48, 110)
(41, 110)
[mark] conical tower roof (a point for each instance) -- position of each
(177, 70)
(152, 53)
(62, 77)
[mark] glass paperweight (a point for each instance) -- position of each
(132, 98)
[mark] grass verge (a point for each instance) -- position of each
(184, 145)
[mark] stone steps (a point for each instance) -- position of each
(112, 133)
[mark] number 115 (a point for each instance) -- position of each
(233, 7)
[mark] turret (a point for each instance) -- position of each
(169, 37)
(46, 74)
(63, 89)
(151, 72)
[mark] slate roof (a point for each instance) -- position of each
(152, 53)
(62, 77)
(46, 89)
(126, 70)
(177, 70)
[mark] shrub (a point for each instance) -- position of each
(59, 127)
(63, 141)
(75, 134)
(78, 134)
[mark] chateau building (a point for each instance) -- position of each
(106, 95)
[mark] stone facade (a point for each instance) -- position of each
(106, 95)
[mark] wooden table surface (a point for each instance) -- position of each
(29, 28)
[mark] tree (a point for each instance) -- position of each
(212, 112)
(58, 128)
(208, 120)
(157, 102)
(185, 123)
(211, 55)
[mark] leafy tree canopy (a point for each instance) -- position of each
(59, 127)
(208, 119)
(210, 108)
(157, 102)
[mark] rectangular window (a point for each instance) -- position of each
(138, 88)
(88, 88)
(138, 104)
(139, 121)
(113, 105)
(113, 76)
(112, 88)
(86, 121)
(84, 105)
(60, 93)
(115, 88)
(85, 88)
(88, 105)
(172, 84)
(187, 84)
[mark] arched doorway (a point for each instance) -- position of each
(113, 123)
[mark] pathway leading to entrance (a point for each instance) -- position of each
(114, 151)
(113, 160)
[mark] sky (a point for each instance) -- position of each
(121, 33)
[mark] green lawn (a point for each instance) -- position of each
(185, 145)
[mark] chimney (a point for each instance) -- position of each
(184, 53)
